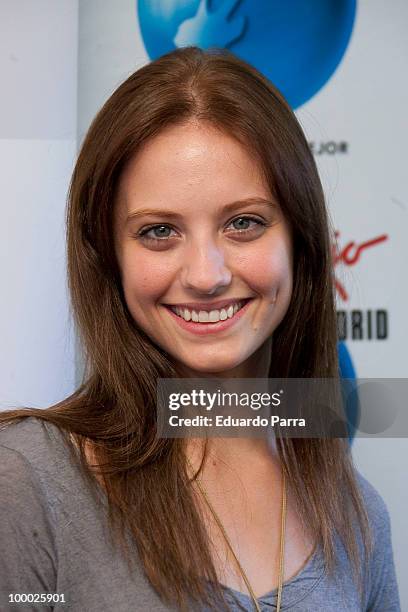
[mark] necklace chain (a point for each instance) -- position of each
(282, 544)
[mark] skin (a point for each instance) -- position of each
(195, 170)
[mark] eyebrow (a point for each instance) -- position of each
(158, 212)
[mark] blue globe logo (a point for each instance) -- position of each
(297, 44)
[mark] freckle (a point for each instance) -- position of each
(35, 534)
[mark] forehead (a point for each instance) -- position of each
(187, 163)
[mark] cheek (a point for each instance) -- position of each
(269, 270)
(144, 279)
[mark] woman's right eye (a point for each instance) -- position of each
(156, 233)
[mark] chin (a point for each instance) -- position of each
(213, 366)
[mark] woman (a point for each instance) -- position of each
(198, 246)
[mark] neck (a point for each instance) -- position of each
(236, 453)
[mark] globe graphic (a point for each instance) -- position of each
(297, 45)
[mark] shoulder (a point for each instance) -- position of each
(379, 519)
(28, 531)
(22, 433)
(375, 505)
(382, 581)
(378, 516)
(41, 472)
(18, 476)
(40, 451)
(25, 433)
(40, 444)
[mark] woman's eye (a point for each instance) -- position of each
(156, 232)
(247, 224)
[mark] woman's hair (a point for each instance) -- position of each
(148, 489)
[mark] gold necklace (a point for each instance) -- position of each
(282, 544)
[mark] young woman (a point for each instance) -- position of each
(198, 246)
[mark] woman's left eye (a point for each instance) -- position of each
(247, 224)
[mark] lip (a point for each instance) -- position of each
(203, 329)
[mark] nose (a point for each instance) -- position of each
(204, 269)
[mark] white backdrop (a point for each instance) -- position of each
(38, 67)
(362, 105)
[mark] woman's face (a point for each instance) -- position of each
(204, 251)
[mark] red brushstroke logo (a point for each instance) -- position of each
(349, 256)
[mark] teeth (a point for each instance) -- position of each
(214, 316)
(203, 316)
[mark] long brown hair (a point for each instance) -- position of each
(114, 408)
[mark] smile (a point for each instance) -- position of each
(202, 322)
(208, 316)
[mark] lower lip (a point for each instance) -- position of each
(203, 329)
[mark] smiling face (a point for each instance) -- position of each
(204, 250)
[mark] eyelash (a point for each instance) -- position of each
(142, 234)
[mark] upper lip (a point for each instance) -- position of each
(209, 305)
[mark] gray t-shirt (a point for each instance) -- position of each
(54, 539)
